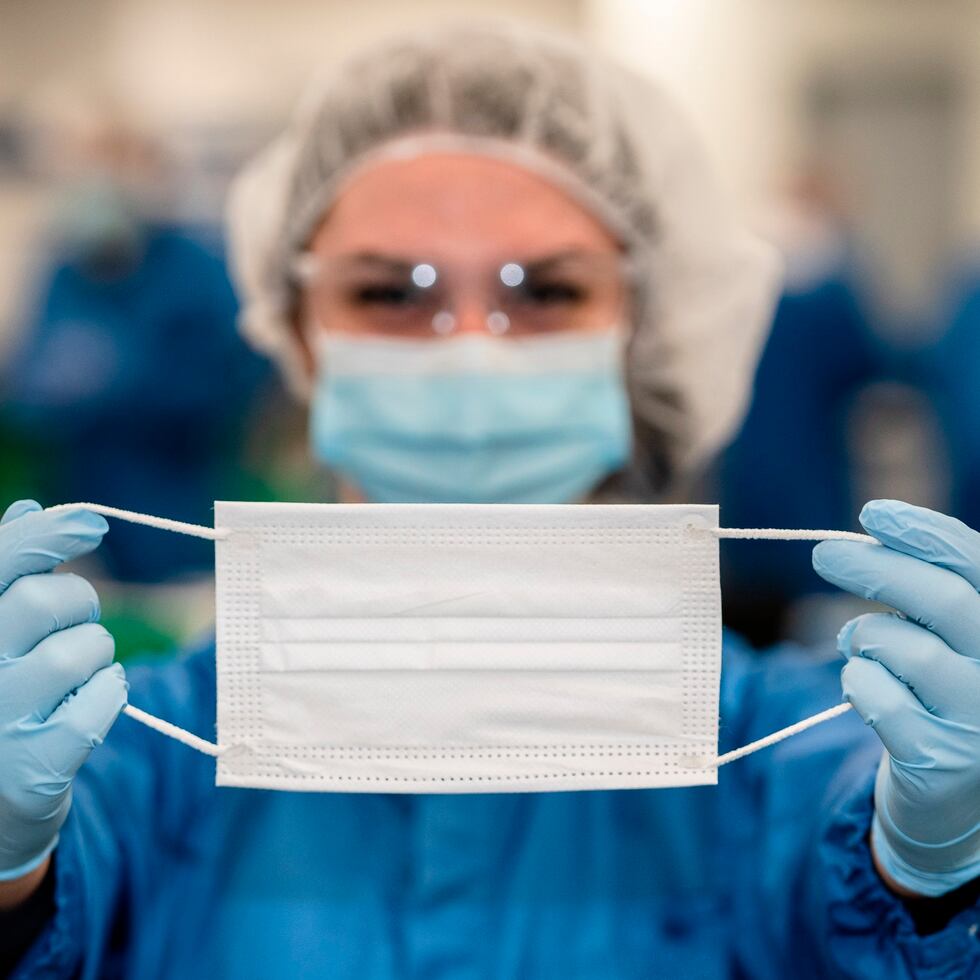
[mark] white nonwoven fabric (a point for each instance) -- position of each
(466, 648)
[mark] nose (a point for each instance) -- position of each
(471, 318)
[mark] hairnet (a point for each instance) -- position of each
(612, 140)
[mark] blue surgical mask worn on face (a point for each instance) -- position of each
(472, 419)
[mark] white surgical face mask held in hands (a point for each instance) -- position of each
(401, 648)
(467, 648)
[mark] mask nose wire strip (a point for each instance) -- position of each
(217, 534)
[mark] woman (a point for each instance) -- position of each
(448, 251)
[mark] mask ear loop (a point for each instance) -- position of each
(134, 517)
(781, 534)
(219, 534)
(785, 534)
(181, 735)
(179, 527)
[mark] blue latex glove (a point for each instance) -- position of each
(916, 681)
(59, 689)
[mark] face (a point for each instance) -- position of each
(453, 244)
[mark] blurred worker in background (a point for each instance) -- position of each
(130, 376)
(790, 464)
(501, 271)
(955, 386)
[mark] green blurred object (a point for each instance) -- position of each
(136, 634)
(158, 620)
(22, 470)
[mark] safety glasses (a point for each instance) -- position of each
(394, 296)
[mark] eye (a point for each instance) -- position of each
(383, 294)
(552, 291)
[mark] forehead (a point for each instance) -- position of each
(451, 203)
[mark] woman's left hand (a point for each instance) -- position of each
(916, 682)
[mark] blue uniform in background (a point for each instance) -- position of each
(956, 390)
(789, 465)
(160, 874)
(134, 381)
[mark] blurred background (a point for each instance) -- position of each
(848, 132)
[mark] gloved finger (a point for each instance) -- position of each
(939, 599)
(925, 534)
(942, 680)
(889, 707)
(39, 541)
(18, 509)
(83, 720)
(36, 606)
(33, 686)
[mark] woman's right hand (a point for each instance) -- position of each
(60, 691)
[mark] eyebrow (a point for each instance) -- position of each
(391, 263)
(557, 258)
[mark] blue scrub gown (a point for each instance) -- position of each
(161, 875)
